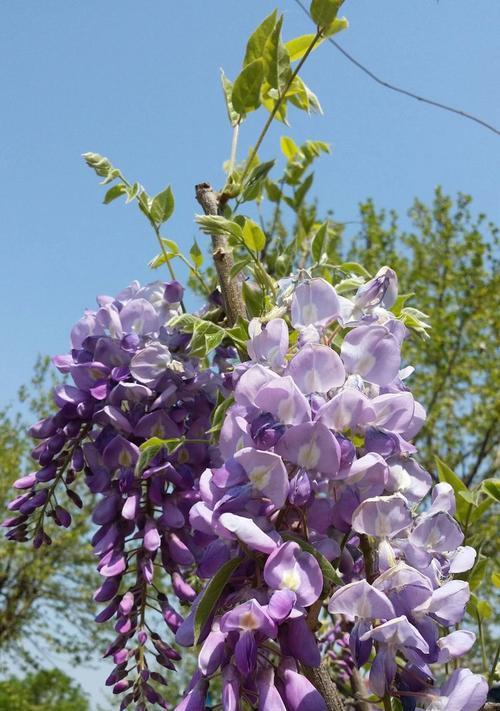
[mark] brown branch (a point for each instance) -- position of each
(320, 676)
(483, 452)
(223, 257)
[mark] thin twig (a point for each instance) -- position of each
(400, 90)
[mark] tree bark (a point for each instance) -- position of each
(223, 258)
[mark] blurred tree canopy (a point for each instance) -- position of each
(46, 690)
(46, 599)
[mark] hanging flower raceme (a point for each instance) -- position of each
(301, 539)
(131, 382)
(320, 493)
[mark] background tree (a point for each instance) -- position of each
(45, 690)
(44, 600)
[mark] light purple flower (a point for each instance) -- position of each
(314, 303)
(348, 410)
(283, 399)
(266, 472)
(150, 363)
(299, 693)
(463, 691)
(361, 600)
(455, 645)
(247, 531)
(311, 446)
(316, 369)
(382, 516)
(373, 353)
(437, 533)
(289, 567)
(268, 343)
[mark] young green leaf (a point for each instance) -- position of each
(253, 236)
(278, 70)
(247, 86)
(324, 12)
(99, 163)
(319, 243)
(115, 192)
(218, 225)
(447, 475)
(297, 47)
(288, 147)
(258, 39)
(196, 255)
(491, 487)
(162, 206)
(227, 88)
(211, 595)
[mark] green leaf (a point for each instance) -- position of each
(247, 86)
(171, 246)
(253, 236)
(152, 447)
(196, 255)
(447, 475)
(254, 298)
(132, 192)
(491, 487)
(258, 39)
(302, 97)
(115, 192)
(288, 147)
(476, 575)
(211, 595)
(278, 70)
(324, 12)
(99, 163)
(400, 302)
(227, 88)
(160, 260)
(330, 575)
(478, 512)
(219, 413)
(354, 268)
(254, 182)
(495, 579)
(339, 24)
(319, 243)
(484, 609)
(470, 497)
(350, 284)
(239, 265)
(302, 190)
(218, 225)
(162, 206)
(239, 332)
(297, 47)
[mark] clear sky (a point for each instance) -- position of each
(139, 82)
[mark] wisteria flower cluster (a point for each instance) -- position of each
(319, 469)
(131, 382)
(300, 540)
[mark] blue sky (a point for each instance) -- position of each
(139, 83)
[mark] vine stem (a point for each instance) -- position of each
(278, 103)
(223, 257)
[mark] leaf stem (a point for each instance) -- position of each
(234, 148)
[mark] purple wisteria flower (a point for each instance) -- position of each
(299, 506)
